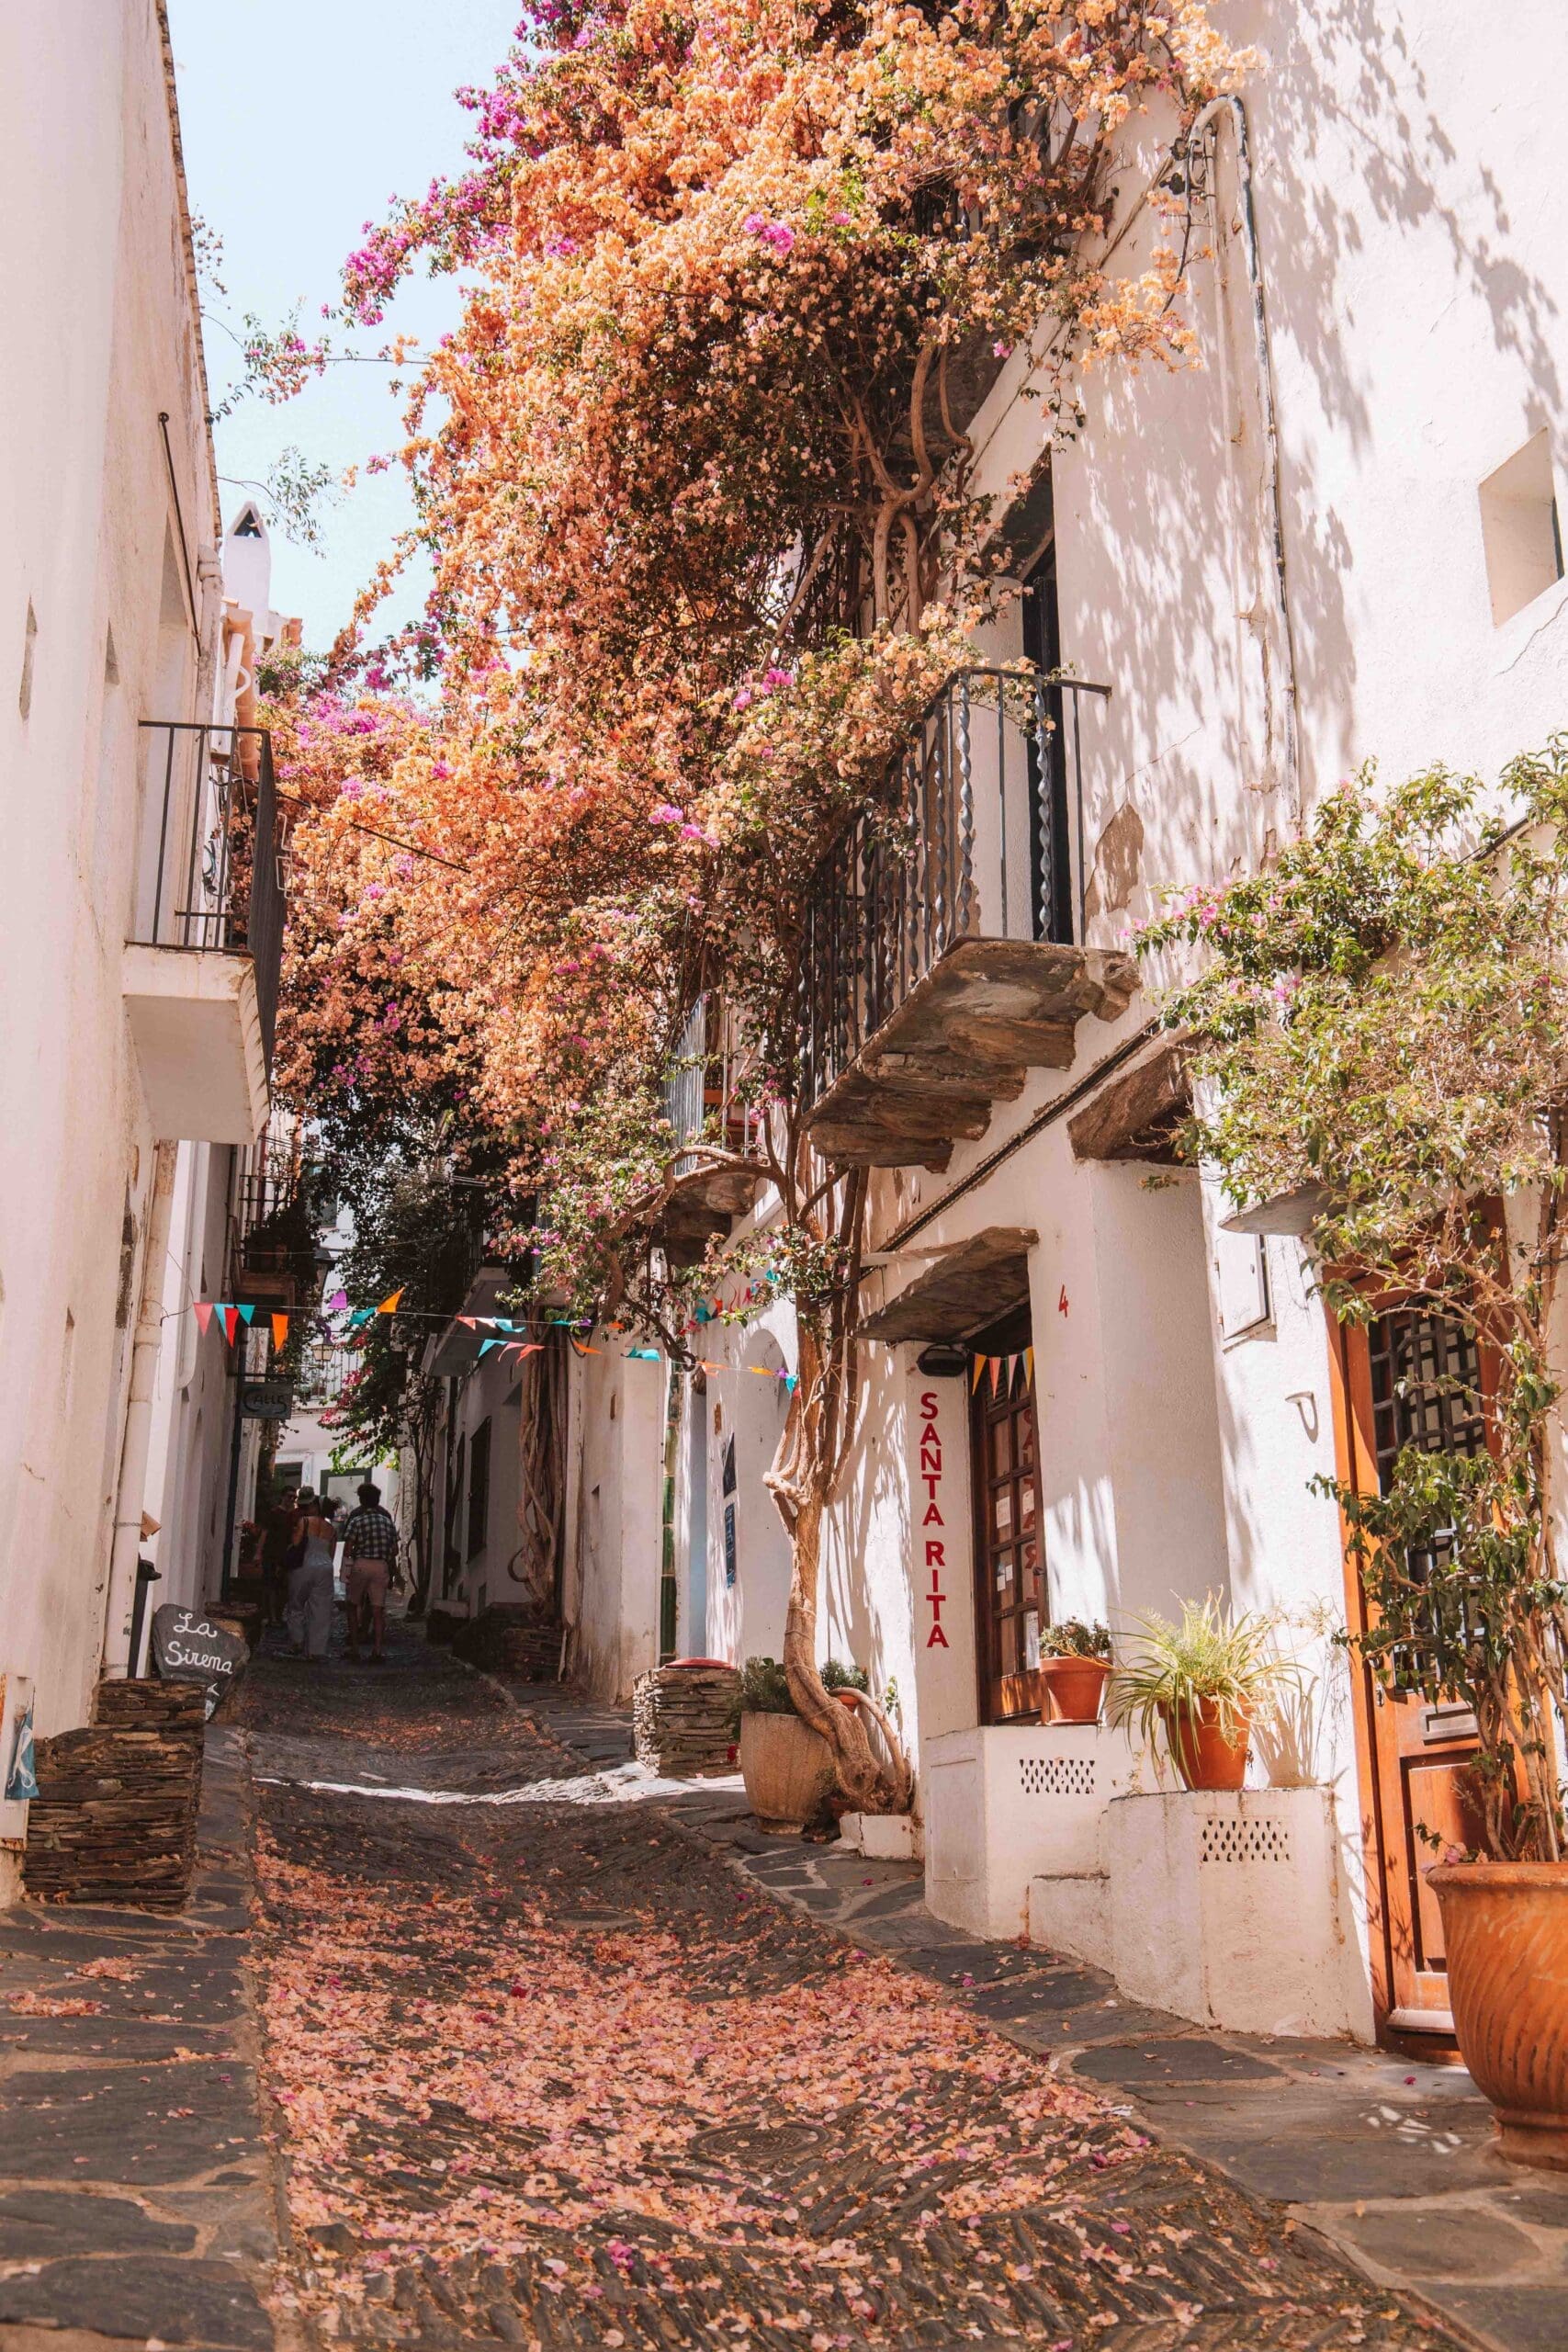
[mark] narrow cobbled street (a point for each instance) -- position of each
(543, 2069)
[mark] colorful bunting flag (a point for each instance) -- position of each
(360, 1316)
(975, 1375)
(231, 1322)
(390, 1306)
(204, 1316)
(1028, 1366)
(485, 1347)
(280, 1332)
(247, 1316)
(471, 1320)
(641, 1355)
(337, 1302)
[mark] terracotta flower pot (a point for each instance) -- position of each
(788, 1769)
(1505, 1933)
(1074, 1689)
(850, 1699)
(1204, 1757)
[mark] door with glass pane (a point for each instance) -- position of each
(1009, 1577)
(1409, 1377)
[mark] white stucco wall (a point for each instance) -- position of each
(103, 339)
(615, 1465)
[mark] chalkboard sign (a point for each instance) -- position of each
(188, 1648)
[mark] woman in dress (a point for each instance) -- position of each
(309, 1612)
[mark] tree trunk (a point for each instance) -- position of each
(801, 1481)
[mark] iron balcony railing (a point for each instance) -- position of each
(702, 1101)
(979, 844)
(211, 873)
(325, 1370)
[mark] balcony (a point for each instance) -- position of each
(702, 1103)
(940, 957)
(482, 1277)
(275, 1234)
(201, 965)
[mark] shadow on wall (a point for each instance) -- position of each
(749, 1554)
(865, 1604)
(1167, 567)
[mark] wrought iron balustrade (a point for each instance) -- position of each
(702, 1091)
(325, 1370)
(212, 873)
(978, 843)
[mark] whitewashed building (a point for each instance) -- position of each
(1337, 537)
(139, 965)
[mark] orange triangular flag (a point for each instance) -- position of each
(1029, 1367)
(390, 1306)
(974, 1375)
(203, 1316)
(471, 1320)
(280, 1332)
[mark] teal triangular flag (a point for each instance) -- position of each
(361, 1314)
(247, 1314)
(486, 1345)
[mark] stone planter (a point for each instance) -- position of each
(1505, 1931)
(788, 1769)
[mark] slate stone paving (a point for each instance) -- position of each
(135, 2197)
(1389, 2160)
(932, 2185)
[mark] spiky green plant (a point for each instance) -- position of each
(1170, 1673)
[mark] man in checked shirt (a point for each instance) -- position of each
(370, 1552)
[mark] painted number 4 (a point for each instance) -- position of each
(1062, 1300)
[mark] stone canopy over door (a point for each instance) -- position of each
(1408, 1377)
(1010, 1605)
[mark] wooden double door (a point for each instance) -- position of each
(1408, 1377)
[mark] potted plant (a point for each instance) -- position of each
(845, 1682)
(788, 1767)
(1074, 1661)
(1203, 1681)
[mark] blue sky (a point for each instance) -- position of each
(300, 117)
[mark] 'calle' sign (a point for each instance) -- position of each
(187, 1648)
(266, 1401)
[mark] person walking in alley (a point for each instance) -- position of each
(309, 1613)
(370, 1551)
(277, 1541)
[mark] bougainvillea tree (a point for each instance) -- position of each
(1380, 1028)
(695, 477)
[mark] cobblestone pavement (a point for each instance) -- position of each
(549, 2069)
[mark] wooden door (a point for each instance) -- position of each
(1009, 1577)
(1407, 1378)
